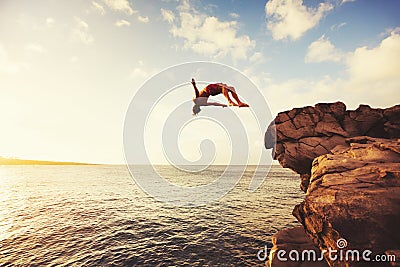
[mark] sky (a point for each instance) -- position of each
(69, 69)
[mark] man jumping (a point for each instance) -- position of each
(213, 90)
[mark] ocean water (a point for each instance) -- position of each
(98, 216)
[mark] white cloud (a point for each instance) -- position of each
(291, 19)
(256, 57)
(167, 15)
(347, 1)
(121, 23)
(34, 47)
(379, 64)
(184, 5)
(372, 78)
(338, 26)
(143, 19)
(302, 92)
(120, 5)
(138, 73)
(208, 35)
(50, 22)
(390, 31)
(234, 15)
(80, 32)
(323, 50)
(98, 7)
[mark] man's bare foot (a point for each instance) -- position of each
(232, 104)
(243, 105)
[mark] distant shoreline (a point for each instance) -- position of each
(12, 161)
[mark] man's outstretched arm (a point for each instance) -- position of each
(195, 88)
(215, 104)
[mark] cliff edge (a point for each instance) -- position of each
(349, 164)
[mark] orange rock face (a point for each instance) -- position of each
(354, 193)
(349, 164)
(303, 134)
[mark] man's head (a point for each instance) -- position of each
(196, 109)
(198, 102)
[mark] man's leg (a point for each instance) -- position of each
(226, 94)
(236, 97)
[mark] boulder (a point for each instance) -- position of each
(354, 194)
(294, 239)
(303, 134)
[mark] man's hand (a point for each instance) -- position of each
(195, 88)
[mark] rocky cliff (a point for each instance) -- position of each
(349, 163)
(302, 134)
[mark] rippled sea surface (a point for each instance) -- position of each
(98, 216)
